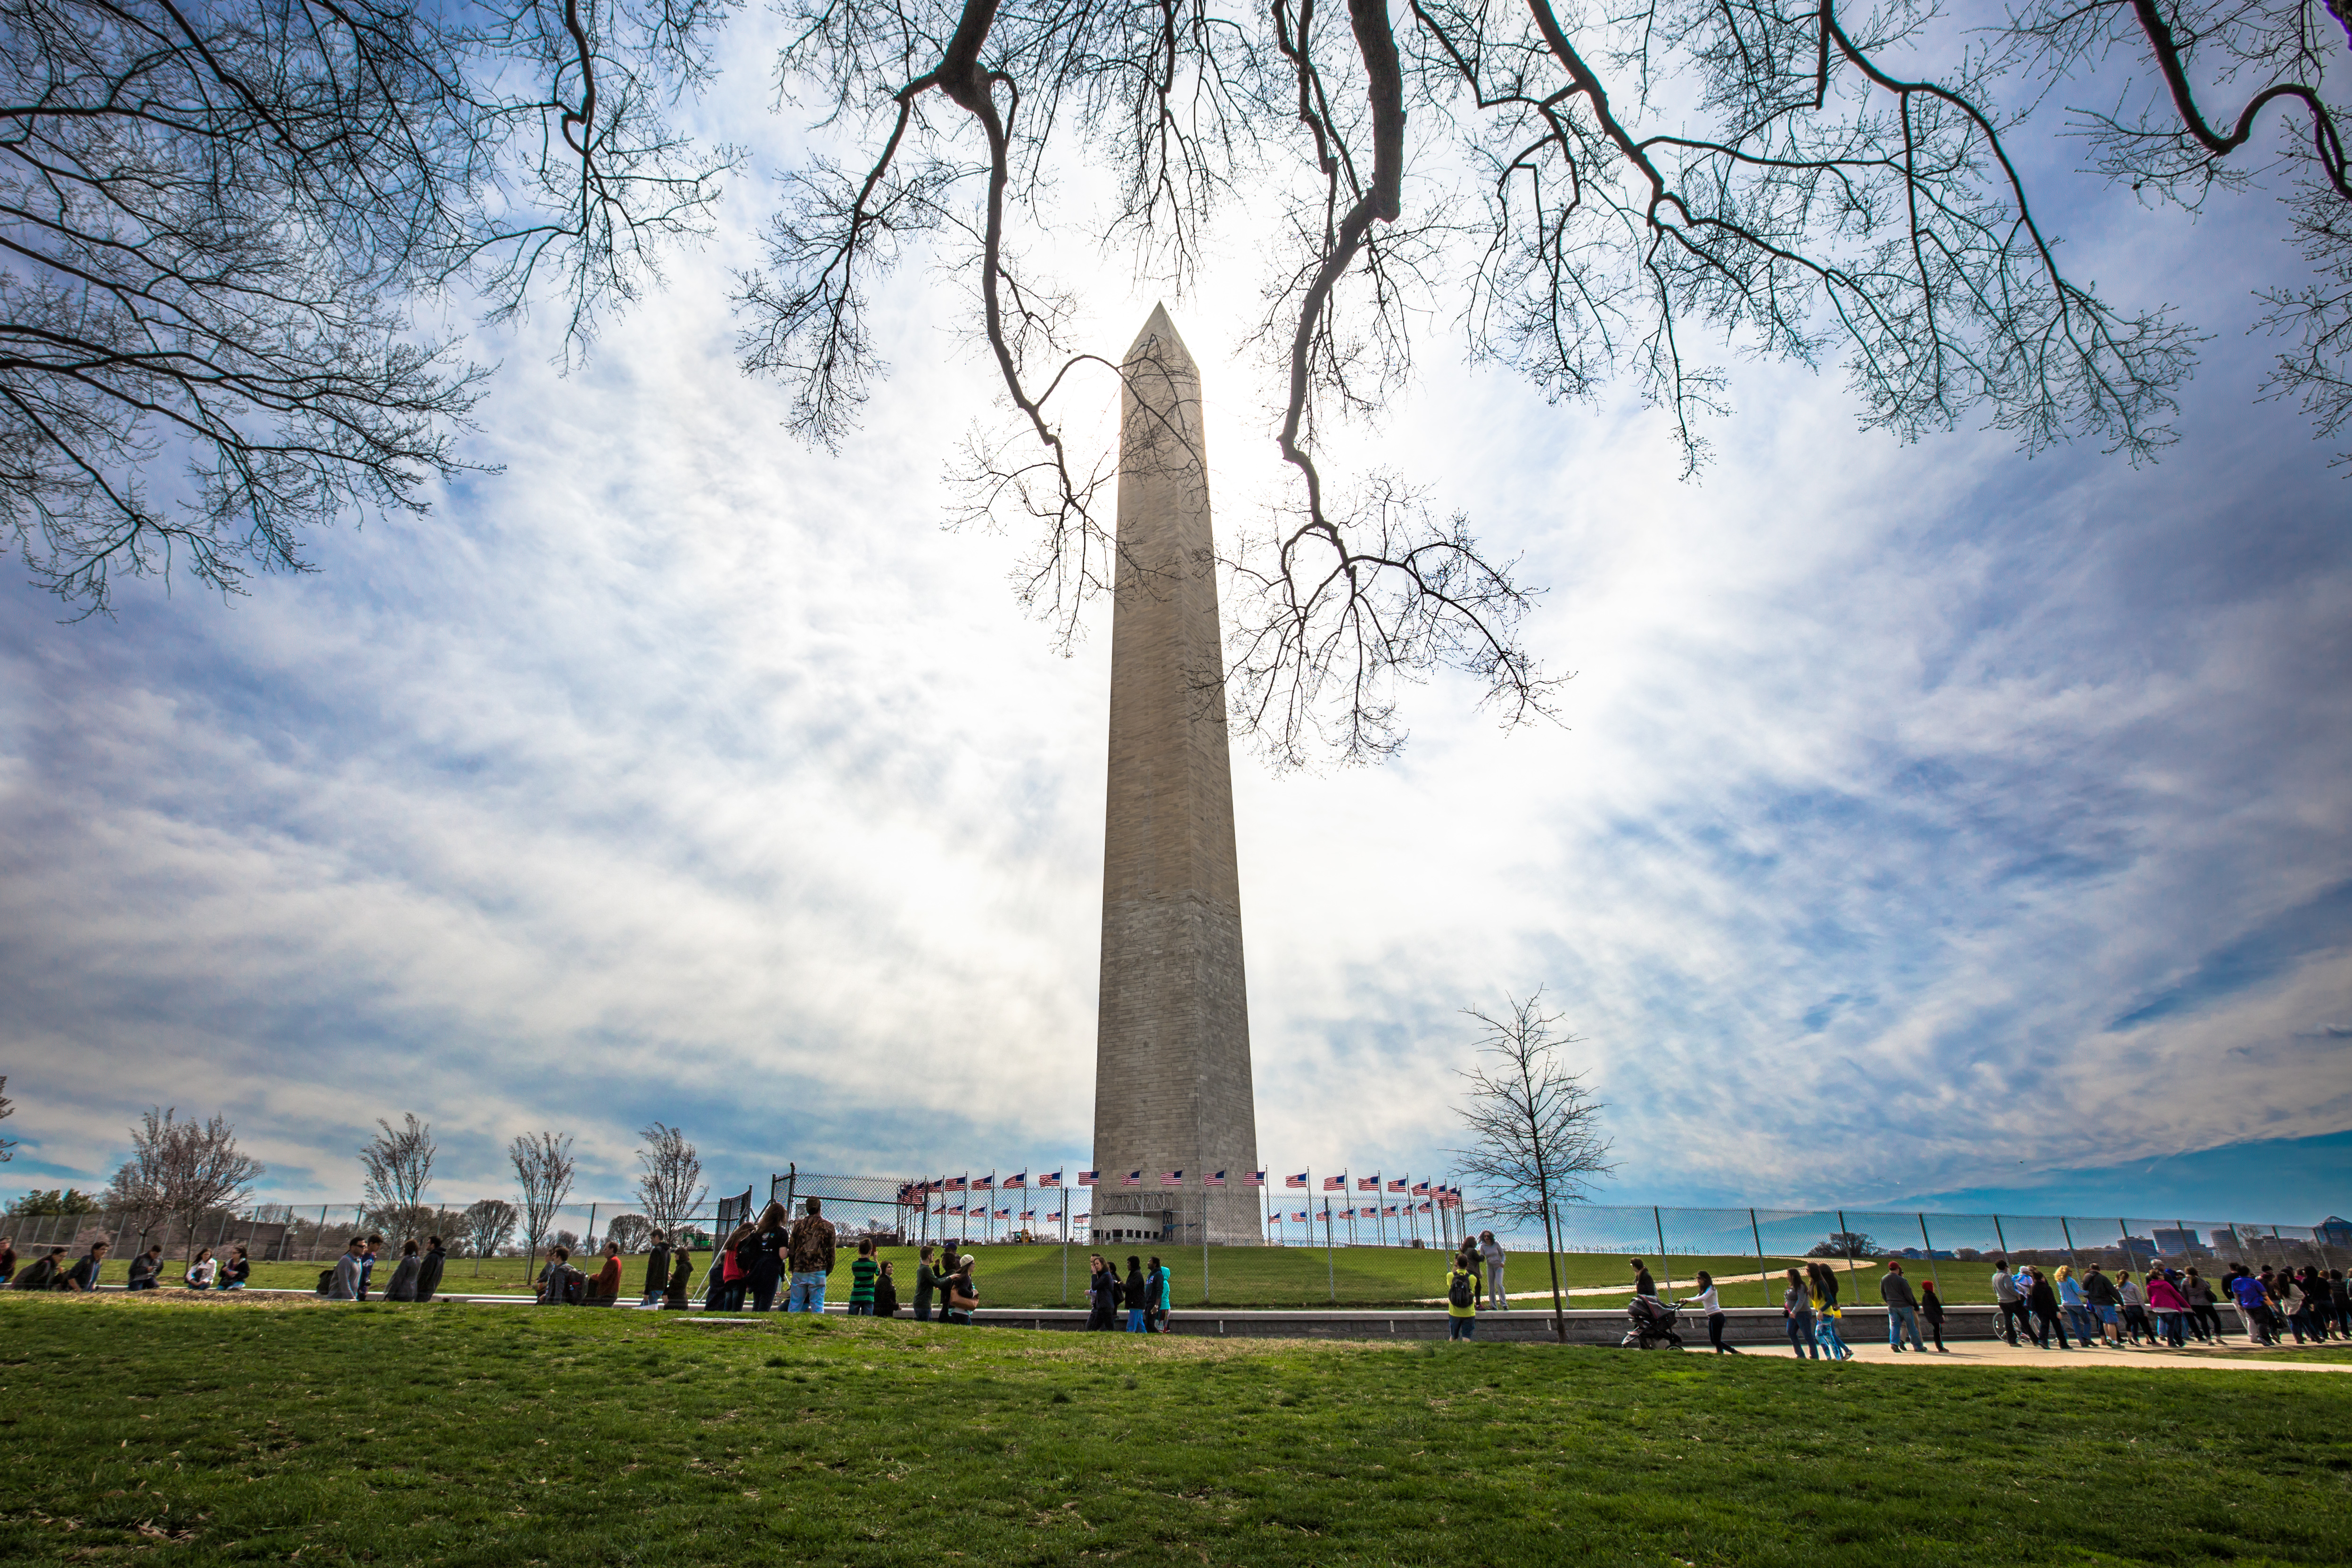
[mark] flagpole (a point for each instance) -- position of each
(1329, 1269)
(1066, 1246)
(1205, 1238)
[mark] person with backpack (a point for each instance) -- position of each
(343, 1279)
(558, 1284)
(1138, 1306)
(1708, 1302)
(1821, 1285)
(1461, 1301)
(428, 1267)
(656, 1271)
(402, 1286)
(862, 1273)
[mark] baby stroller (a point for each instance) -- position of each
(1653, 1323)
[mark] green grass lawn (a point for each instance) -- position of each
(173, 1430)
(1238, 1276)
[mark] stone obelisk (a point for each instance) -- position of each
(1172, 1054)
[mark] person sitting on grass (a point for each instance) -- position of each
(238, 1269)
(199, 1275)
(83, 1276)
(1901, 1309)
(373, 1245)
(1461, 1302)
(42, 1273)
(7, 1259)
(862, 1273)
(144, 1268)
(555, 1280)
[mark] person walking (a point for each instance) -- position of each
(862, 1273)
(1461, 1302)
(886, 1292)
(1931, 1312)
(2106, 1304)
(1102, 1295)
(428, 1267)
(1901, 1309)
(1642, 1284)
(963, 1292)
(810, 1251)
(1821, 1281)
(2170, 1307)
(240, 1270)
(1708, 1302)
(604, 1290)
(770, 1255)
(1490, 1252)
(345, 1285)
(2009, 1301)
(1796, 1316)
(145, 1269)
(656, 1269)
(1138, 1304)
(2047, 1319)
(928, 1281)
(2071, 1302)
(402, 1286)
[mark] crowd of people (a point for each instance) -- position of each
(2165, 1306)
(1138, 1304)
(51, 1271)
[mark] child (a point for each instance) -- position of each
(862, 1275)
(1931, 1312)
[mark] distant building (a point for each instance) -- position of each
(2177, 1243)
(2336, 1231)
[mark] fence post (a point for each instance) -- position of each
(1204, 1248)
(1929, 1247)
(1996, 1235)
(1847, 1232)
(322, 1236)
(2068, 1232)
(1763, 1282)
(1659, 1224)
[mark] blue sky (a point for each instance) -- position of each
(1928, 823)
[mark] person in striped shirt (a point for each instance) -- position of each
(862, 1275)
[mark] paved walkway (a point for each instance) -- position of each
(1997, 1353)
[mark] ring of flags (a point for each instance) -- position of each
(1432, 1197)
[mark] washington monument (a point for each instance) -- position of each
(1171, 1053)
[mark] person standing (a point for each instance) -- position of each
(682, 1278)
(2170, 1305)
(2106, 1304)
(402, 1286)
(1490, 1253)
(145, 1267)
(2071, 1302)
(1931, 1312)
(963, 1292)
(656, 1269)
(810, 1251)
(1901, 1309)
(2204, 1314)
(1823, 1283)
(862, 1273)
(345, 1285)
(428, 1267)
(1797, 1317)
(928, 1280)
(2047, 1319)
(768, 1255)
(1709, 1303)
(1102, 1295)
(1138, 1304)
(2133, 1305)
(2009, 1301)
(733, 1261)
(886, 1293)
(1163, 1295)
(1461, 1301)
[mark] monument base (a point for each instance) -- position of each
(1174, 1218)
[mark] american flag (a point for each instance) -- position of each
(1132, 1178)
(954, 1208)
(1335, 1184)
(1049, 1179)
(1004, 1214)
(1018, 1178)
(1298, 1217)
(1420, 1189)
(1080, 1219)
(985, 1183)
(959, 1184)
(1172, 1179)
(1088, 1178)
(1255, 1178)
(1425, 1208)
(1368, 1184)
(1397, 1186)
(1298, 1181)
(1390, 1212)
(1215, 1179)
(1028, 1213)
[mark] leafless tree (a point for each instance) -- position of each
(542, 1166)
(7, 1109)
(671, 1187)
(179, 1170)
(1535, 1131)
(219, 221)
(630, 1231)
(1582, 193)
(398, 1164)
(488, 1223)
